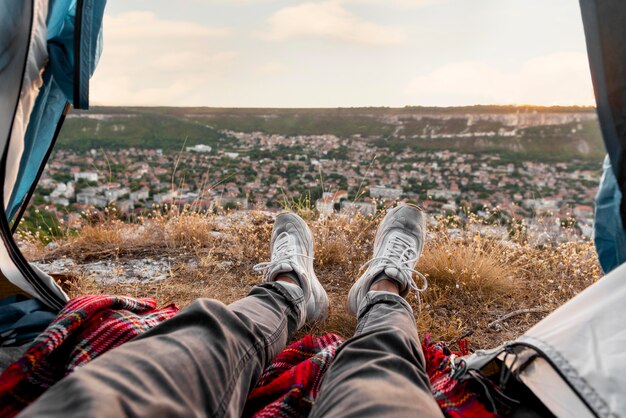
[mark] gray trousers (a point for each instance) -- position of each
(205, 361)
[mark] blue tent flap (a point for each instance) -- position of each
(48, 51)
(74, 48)
(75, 45)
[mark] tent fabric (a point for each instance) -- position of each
(609, 236)
(584, 341)
(46, 120)
(22, 320)
(15, 21)
(89, 50)
(603, 22)
(23, 24)
(36, 58)
(555, 394)
(75, 45)
(74, 53)
(48, 52)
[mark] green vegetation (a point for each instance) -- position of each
(396, 129)
(42, 225)
(334, 123)
(547, 143)
(139, 130)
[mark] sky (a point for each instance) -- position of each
(342, 53)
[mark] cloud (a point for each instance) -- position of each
(146, 25)
(560, 78)
(233, 2)
(148, 60)
(330, 20)
(271, 69)
(386, 3)
(394, 3)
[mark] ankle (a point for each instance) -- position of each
(385, 285)
(288, 278)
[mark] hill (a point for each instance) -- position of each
(516, 133)
(133, 129)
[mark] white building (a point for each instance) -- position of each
(115, 193)
(199, 148)
(87, 175)
(164, 197)
(61, 201)
(143, 194)
(89, 199)
(385, 192)
(326, 205)
(125, 205)
(63, 190)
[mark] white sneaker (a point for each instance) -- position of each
(397, 247)
(292, 252)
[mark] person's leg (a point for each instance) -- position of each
(205, 360)
(380, 371)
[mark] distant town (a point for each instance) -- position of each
(243, 170)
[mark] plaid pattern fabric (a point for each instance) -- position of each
(289, 385)
(86, 327)
(454, 396)
(89, 326)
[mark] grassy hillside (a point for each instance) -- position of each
(140, 130)
(551, 143)
(335, 123)
(394, 129)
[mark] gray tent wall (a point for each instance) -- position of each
(585, 342)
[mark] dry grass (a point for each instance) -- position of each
(474, 279)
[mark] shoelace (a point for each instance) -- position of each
(282, 252)
(398, 255)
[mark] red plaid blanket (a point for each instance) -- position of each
(455, 396)
(89, 326)
(86, 327)
(289, 386)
